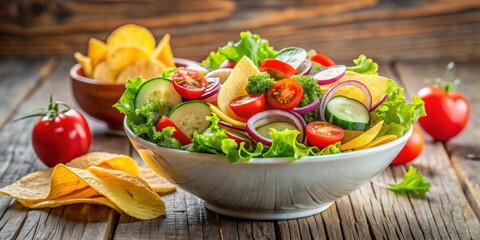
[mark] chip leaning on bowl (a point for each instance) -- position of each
(129, 52)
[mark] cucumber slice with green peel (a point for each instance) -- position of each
(347, 113)
(191, 116)
(157, 89)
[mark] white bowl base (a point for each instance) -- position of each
(267, 214)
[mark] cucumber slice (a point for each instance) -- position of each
(347, 113)
(190, 116)
(157, 88)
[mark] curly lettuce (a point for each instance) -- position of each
(364, 65)
(250, 45)
(397, 114)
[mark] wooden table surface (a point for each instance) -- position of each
(451, 209)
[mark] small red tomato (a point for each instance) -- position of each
(228, 64)
(277, 69)
(60, 135)
(323, 134)
(322, 60)
(178, 134)
(412, 148)
(285, 94)
(189, 83)
(447, 112)
(248, 105)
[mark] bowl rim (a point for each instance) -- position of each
(77, 77)
(284, 160)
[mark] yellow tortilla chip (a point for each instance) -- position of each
(93, 178)
(157, 183)
(106, 160)
(97, 51)
(146, 68)
(163, 52)
(130, 193)
(363, 139)
(132, 35)
(103, 72)
(375, 84)
(378, 141)
(86, 64)
(122, 57)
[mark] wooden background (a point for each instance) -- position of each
(383, 29)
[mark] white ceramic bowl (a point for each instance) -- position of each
(267, 188)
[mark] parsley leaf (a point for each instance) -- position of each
(413, 182)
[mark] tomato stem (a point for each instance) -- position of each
(450, 81)
(51, 113)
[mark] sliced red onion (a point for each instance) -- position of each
(309, 108)
(332, 90)
(330, 74)
(221, 73)
(304, 68)
(304, 125)
(271, 116)
(379, 102)
(230, 126)
(213, 86)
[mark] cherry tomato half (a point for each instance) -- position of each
(285, 94)
(412, 148)
(323, 134)
(322, 60)
(273, 66)
(248, 105)
(189, 83)
(228, 64)
(178, 134)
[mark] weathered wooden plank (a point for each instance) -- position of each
(18, 78)
(446, 211)
(380, 29)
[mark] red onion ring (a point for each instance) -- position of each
(230, 126)
(330, 74)
(274, 115)
(379, 102)
(213, 86)
(332, 90)
(304, 68)
(309, 108)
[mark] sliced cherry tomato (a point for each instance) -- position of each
(189, 83)
(285, 94)
(178, 134)
(248, 105)
(322, 60)
(238, 137)
(412, 148)
(228, 64)
(273, 66)
(323, 134)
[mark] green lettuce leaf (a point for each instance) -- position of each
(250, 45)
(284, 144)
(143, 121)
(397, 114)
(364, 65)
(331, 149)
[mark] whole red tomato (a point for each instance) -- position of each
(60, 135)
(447, 112)
(412, 148)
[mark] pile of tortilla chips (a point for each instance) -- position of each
(129, 52)
(97, 178)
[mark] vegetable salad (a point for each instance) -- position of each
(255, 101)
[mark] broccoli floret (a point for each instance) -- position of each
(259, 83)
(311, 89)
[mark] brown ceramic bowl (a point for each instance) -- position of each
(97, 98)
